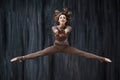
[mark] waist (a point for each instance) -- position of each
(61, 43)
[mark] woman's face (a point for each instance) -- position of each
(62, 19)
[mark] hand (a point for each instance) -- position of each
(19, 59)
(61, 37)
(62, 31)
(56, 34)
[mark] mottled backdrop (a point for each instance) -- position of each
(25, 27)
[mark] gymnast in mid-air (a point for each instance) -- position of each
(61, 33)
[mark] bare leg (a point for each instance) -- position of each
(75, 51)
(47, 51)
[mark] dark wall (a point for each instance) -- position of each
(25, 27)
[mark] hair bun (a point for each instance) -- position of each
(70, 14)
(65, 11)
(56, 12)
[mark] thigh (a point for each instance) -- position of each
(50, 50)
(60, 48)
(73, 50)
(47, 51)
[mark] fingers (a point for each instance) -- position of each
(63, 31)
(57, 34)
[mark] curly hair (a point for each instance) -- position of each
(65, 12)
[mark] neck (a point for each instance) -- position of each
(62, 26)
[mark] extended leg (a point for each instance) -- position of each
(47, 51)
(75, 51)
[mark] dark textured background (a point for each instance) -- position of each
(25, 27)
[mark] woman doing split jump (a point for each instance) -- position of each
(61, 33)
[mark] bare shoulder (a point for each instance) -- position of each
(54, 26)
(69, 27)
(54, 29)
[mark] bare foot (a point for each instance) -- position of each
(19, 59)
(107, 60)
(13, 60)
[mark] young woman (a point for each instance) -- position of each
(61, 32)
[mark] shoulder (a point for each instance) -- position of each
(54, 26)
(69, 27)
